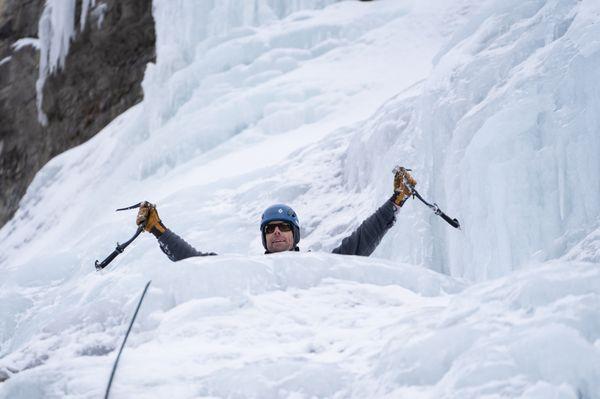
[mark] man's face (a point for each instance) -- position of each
(279, 236)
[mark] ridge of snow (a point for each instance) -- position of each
(5, 60)
(301, 325)
(24, 42)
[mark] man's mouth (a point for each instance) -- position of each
(277, 241)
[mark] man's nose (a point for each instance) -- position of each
(276, 231)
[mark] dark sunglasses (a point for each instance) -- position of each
(270, 228)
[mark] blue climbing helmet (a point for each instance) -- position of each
(280, 213)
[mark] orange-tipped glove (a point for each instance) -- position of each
(403, 185)
(148, 216)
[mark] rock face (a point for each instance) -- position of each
(101, 79)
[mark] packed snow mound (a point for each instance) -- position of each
(302, 326)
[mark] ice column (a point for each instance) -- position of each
(56, 28)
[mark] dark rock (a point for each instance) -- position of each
(101, 79)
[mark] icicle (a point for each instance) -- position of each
(85, 8)
(56, 29)
(98, 13)
(45, 37)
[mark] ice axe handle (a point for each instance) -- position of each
(436, 209)
(119, 249)
(452, 222)
(105, 262)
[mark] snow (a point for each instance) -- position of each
(312, 103)
(306, 325)
(24, 42)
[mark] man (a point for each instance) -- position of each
(280, 228)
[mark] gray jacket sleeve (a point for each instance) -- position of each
(368, 235)
(176, 248)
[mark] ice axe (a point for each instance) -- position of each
(434, 207)
(121, 247)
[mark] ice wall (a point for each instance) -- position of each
(275, 102)
(186, 31)
(505, 135)
(264, 107)
(221, 111)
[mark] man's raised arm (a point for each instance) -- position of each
(175, 247)
(365, 239)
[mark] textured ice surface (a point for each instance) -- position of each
(504, 134)
(312, 103)
(302, 325)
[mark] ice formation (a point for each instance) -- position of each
(312, 103)
(56, 29)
